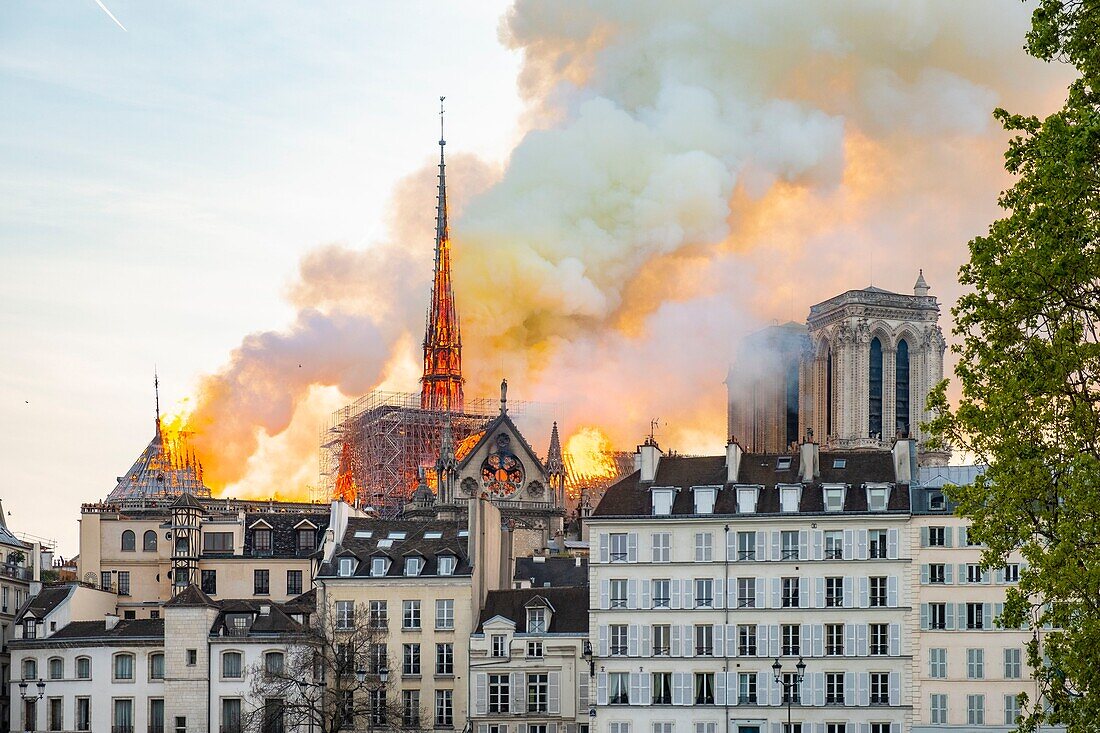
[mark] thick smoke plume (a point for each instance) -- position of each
(692, 171)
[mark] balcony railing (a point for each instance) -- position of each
(18, 572)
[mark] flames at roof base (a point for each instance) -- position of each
(168, 466)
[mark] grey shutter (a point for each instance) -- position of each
(582, 693)
(605, 595)
(676, 601)
(949, 616)
(987, 615)
(924, 574)
(804, 592)
(864, 591)
(861, 544)
(805, 642)
(689, 641)
(679, 688)
(632, 547)
(603, 640)
(948, 533)
(773, 640)
(924, 536)
(850, 688)
(924, 616)
(863, 688)
(760, 548)
(818, 542)
(895, 640)
(819, 640)
(632, 640)
(960, 617)
(647, 642)
(605, 550)
(948, 574)
(646, 690)
(761, 601)
(762, 648)
(962, 536)
(762, 681)
(689, 592)
(891, 544)
(777, 593)
(481, 693)
(720, 688)
(719, 593)
(675, 643)
(998, 609)
(818, 688)
(895, 688)
(601, 688)
(647, 594)
(861, 640)
(632, 594)
(803, 544)
(635, 690)
(999, 576)
(819, 592)
(849, 640)
(719, 640)
(731, 546)
(892, 591)
(776, 554)
(963, 577)
(731, 594)
(849, 550)
(554, 692)
(848, 586)
(516, 695)
(731, 640)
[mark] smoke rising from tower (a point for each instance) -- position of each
(691, 172)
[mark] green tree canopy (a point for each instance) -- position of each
(1029, 371)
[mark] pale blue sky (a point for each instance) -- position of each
(158, 186)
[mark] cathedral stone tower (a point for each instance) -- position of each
(441, 384)
(871, 359)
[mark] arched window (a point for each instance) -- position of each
(874, 390)
(901, 395)
(829, 394)
(56, 668)
(273, 663)
(149, 541)
(156, 666)
(124, 667)
(83, 668)
(232, 667)
(30, 669)
(128, 541)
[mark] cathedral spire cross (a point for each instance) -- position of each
(441, 383)
(156, 396)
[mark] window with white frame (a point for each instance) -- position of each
(618, 688)
(788, 498)
(618, 592)
(973, 573)
(746, 545)
(937, 573)
(876, 543)
(379, 566)
(704, 497)
(834, 498)
(536, 620)
(232, 665)
(445, 659)
(83, 668)
(746, 592)
(975, 709)
(156, 666)
(617, 639)
(662, 640)
(880, 688)
(413, 566)
(499, 645)
(499, 701)
(791, 637)
(618, 727)
(538, 692)
(746, 688)
(834, 544)
(834, 592)
(379, 615)
(618, 547)
(446, 564)
(1011, 573)
(662, 690)
(56, 668)
(661, 593)
(704, 547)
(662, 547)
(662, 501)
(879, 639)
(445, 613)
(878, 586)
(746, 500)
(746, 640)
(834, 640)
(975, 616)
(834, 688)
(534, 649)
(1012, 709)
(704, 593)
(937, 536)
(788, 544)
(410, 660)
(345, 614)
(937, 707)
(877, 497)
(664, 726)
(704, 640)
(444, 708)
(410, 614)
(123, 667)
(790, 592)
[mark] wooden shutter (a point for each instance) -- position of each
(632, 547)
(892, 591)
(605, 550)
(517, 698)
(891, 544)
(481, 693)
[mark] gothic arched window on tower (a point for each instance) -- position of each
(874, 391)
(829, 394)
(901, 397)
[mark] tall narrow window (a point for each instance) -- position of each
(829, 393)
(792, 401)
(901, 380)
(874, 392)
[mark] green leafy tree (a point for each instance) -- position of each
(1029, 370)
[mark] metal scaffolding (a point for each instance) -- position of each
(376, 446)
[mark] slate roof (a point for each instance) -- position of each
(277, 620)
(631, 497)
(87, 631)
(570, 614)
(414, 543)
(192, 595)
(284, 538)
(552, 571)
(491, 431)
(49, 598)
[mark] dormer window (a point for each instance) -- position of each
(447, 564)
(936, 502)
(746, 500)
(789, 497)
(379, 566)
(346, 567)
(307, 540)
(536, 620)
(704, 497)
(30, 626)
(783, 463)
(662, 501)
(413, 566)
(834, 498)
(261, 541)
(877, 498)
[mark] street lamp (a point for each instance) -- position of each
(383, 677)
(796, 683)
(40, 684)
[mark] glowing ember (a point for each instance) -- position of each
(346, 490)
(590, 455)
(467, 444)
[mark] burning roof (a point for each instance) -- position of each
(167, 467)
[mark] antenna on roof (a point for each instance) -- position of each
(653, 425)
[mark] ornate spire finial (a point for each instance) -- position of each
(156, 395)
(503, 396)
(441, 383)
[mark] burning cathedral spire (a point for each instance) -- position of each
(441, 384)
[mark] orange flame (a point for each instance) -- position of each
(589, 453)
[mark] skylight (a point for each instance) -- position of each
(362, 534)
(463, 533)
(432, 535)
(397, 535)
(840, 462)
(385, 543)
(783, 463)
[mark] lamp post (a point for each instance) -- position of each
(23, 685)
(796, 683)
